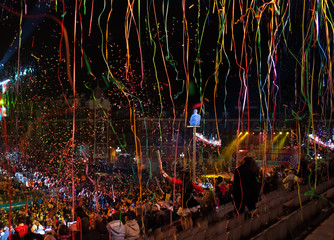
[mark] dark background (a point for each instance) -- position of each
(41, 38)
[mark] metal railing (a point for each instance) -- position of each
(21, 197)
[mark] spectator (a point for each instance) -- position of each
(22, 228)
(33, 236)
(116, 227)
(86, 233)
(15, 236)
(290, 181)
(63, 233)
(100, 227)
(49, 236)
(157, 217)
(35, 225)
(207, 202)
(245, 185)
(132, 230)
(220, 190)
(5, 233)
(189, 203)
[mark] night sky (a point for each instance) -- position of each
(209, 50)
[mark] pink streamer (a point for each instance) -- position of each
(91, 18)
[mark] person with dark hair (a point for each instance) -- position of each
(22, 228)
(156, 217)
(246, 187)
(86, 232)
(63, 233)
(220, 190)
(189, 204)
(80, 214)
(100, 227)
(15, 236)
(207, 203)
(33, 236)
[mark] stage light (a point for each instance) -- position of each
(204, 139)
(287, 132)
(240, 133)
(4, 82)
(280, 133)
(320, 142)
(3, 112)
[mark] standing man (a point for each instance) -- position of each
(246, 187)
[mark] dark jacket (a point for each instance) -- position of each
(87, 235)
(246, 188)
(102, 230)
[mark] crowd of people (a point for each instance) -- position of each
(116, 206)
(19, 190)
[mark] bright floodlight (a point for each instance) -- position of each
(4, 82)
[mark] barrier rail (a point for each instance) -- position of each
(21, 197)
